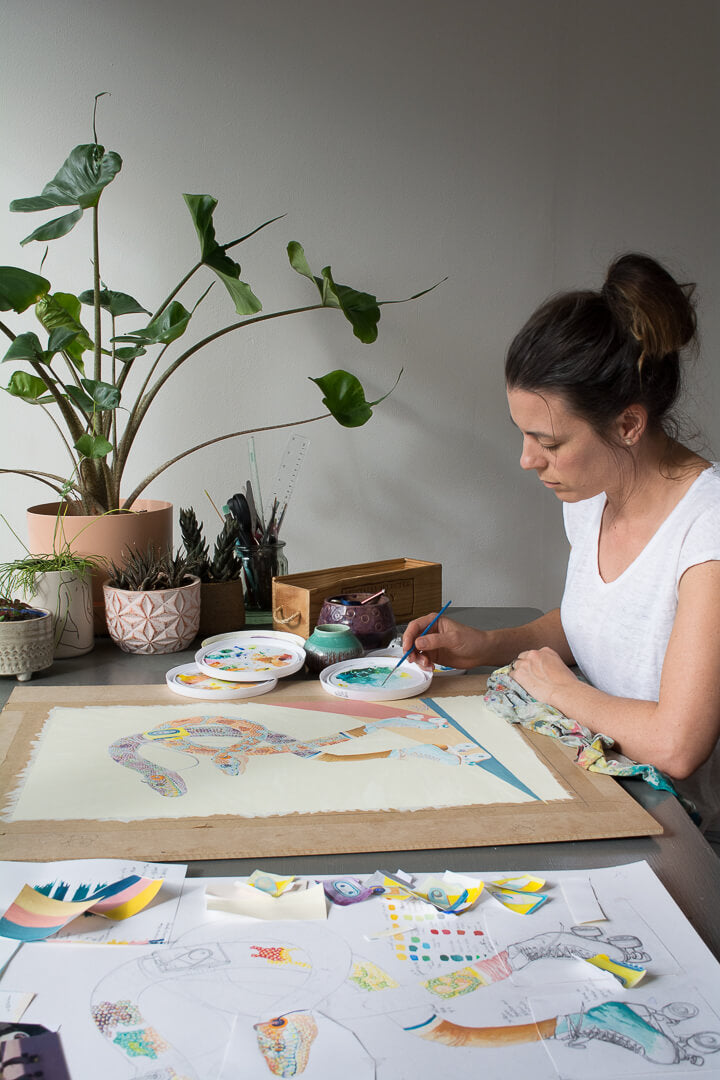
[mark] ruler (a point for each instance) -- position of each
(287, 473)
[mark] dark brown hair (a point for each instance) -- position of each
(606, 350)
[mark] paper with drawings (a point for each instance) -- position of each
(314, 999)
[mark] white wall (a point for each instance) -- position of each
(515, 146)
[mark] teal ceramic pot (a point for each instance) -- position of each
(329, 645)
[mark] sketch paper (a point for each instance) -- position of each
(242, 899)
(132, 763)
(314, 1000)
(76, 879)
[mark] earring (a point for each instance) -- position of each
(628, 442)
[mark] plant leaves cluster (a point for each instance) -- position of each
(149, 570)
(224, 564)
(80, 375)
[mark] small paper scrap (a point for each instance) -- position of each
(350, 890)
(581, 899)
(33, 916)
(628, 974)
(518, 894)
(270, 883)
(241, 899)
(13, 1005)
(451, 893)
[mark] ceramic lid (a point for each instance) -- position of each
(190, 681)
(362, 679)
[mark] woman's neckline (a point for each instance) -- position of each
(651, 539)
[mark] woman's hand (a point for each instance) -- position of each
(450, 643)
(542, 673)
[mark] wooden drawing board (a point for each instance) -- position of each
(598, 808)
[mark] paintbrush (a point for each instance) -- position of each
(404, 656)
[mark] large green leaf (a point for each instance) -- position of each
(169, 325)
(361, 309)
(93, 446)
(28, 387)
(79, 181)
(104, 395)
(51, 230)
(63, 310)
(344, 397)
(26, 347)
(80, 398)
(60, 338)
(128, 354)
(117, 303)
(19, 288)
(213, 255)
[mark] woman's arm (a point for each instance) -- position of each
(456, 645)
(677, 733)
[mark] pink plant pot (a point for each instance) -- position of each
(157, 621)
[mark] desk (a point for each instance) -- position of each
(681, 858)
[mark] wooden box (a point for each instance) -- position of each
(413, 586)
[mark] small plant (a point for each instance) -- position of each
(224, 564)
(17, 611)
(146, 571)
(21, 575)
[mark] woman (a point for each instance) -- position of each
(592, 379)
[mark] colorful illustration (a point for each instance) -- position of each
(285, 1042)
(322, 1005)
(252, 739)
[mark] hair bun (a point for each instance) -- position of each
(650, 306)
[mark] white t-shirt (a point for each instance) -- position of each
(618, 631)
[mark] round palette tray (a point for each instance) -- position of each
(250, 656)
(397, 651)
(190, 681)
(275, 635)
(361, 679)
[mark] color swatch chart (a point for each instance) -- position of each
(430, 939)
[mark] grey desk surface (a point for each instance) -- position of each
(681, 858)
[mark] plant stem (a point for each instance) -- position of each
(210, 442)
(96, 293)
(40, 476)
(60, 433)
(176, 290)
(6, 330)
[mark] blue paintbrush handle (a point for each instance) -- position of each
(429, 626)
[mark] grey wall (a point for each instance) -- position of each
(514, 146)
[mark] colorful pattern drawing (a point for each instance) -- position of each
(277, 954)
(285, 1042)
(437, 741)
(368, 976)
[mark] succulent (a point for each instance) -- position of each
(224, 565)
(146, 571)
(17, 611)
(196, 549)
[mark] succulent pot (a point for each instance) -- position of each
(329, 644)
(155, 621)
(26, 646)
(69, 598)
(108, 536)
(222, 608)
(373, 623)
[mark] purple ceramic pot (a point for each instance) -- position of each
(372, 623)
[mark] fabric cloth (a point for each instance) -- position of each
(509, 700)
(618, 631)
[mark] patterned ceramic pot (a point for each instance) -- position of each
(26, 646)
(329, 644)
(157, 621)
(372, 623)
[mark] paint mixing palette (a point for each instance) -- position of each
(190, 681)
(250, 656)
(362, 679)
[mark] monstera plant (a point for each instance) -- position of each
(80, 374)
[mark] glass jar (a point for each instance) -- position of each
(260, 565)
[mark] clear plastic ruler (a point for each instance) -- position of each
(287, 474)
